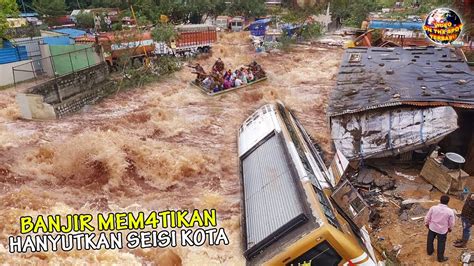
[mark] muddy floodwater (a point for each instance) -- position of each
(164, 146)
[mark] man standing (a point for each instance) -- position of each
(97, 21)
(467, 218)
(108, 22)
(439, 221)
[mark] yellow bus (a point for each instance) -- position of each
(288, 216)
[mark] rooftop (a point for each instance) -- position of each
(371, 78)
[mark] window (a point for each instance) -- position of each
(326, 207)
(321, 254)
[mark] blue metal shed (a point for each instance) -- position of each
(257, 28)
(290, 29)
(13, 54)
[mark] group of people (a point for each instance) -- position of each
(220, 79)
(440, 221)
(98, 22)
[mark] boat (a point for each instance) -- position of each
(211, 93)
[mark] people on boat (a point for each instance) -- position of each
(257, 70)
(238, 82)
(219, 66)
(200, 73)
(207, 82)
(219, 79)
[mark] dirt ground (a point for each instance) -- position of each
(167, 146)
(411, 235)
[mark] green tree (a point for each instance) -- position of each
(7, 8)
(352, 13)
(146, 8)
(164, 33)
(50, 7)
(85, 20)
(248, 8)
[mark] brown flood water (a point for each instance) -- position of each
(165, 146)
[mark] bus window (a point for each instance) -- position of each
(351, 203)
(326, 207)
(321, 254)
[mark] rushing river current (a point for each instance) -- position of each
(161, 147)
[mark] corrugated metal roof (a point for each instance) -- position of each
(372, 78)
(272, 204)
(9, 55)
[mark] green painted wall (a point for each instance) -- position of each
(65, 62)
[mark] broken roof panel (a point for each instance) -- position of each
(375, 77)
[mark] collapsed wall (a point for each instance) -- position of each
(391, 131)
(66, 94)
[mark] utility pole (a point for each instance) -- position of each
(23, 5)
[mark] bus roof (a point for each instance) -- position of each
(276, 211)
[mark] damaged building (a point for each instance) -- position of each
(403, 102)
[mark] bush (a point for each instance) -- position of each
(137, 77)
(311, 31)
(285, 43)
(117, 26)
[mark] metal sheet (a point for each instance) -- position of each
(9, 55)
(272, 204)
(375, 134)
(376, 77)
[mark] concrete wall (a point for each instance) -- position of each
(6, 72)
(33, 107)
(46, 60)
(66, 94)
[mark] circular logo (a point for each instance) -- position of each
(443, 26)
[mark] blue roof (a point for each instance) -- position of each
(289, 26)
(257, 27)
(73, 33)
(58, 40)
(262, 21)
(31, 14)
(389, 24)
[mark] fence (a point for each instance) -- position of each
(33, 50)
(60, 63)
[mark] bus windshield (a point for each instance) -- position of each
(321, 254)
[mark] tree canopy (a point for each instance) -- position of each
(50, 7)
(7, 8)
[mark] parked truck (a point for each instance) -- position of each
(288, 216)
(131, 44)
(237, 23)
(223, 23)
(191, 39)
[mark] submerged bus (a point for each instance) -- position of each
(288, 217)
